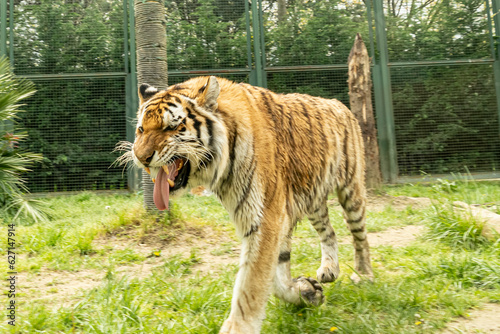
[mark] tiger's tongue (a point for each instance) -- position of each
(161, 191)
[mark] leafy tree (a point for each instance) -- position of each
(314, 33)
(437, 29)
(58, 36)
(202, 34)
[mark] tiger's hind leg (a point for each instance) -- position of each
(352, 198)
(329, 269)
(299, 290)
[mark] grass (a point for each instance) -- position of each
(457, 188)
(418, 288)
(456, 228)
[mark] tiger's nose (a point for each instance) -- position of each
(145, 159)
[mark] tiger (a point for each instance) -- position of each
(271, 160)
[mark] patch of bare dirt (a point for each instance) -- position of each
(395, 237)
(381, 202)
(145, 240)
(214, 249)
(58, 287)
(146, 235)
(203, 240)
(484, 320)
(62, 288)
(398, 236)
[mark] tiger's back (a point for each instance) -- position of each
(313, 144)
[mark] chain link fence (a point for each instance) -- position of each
(436, 74)
(442, 58)
(74, 53)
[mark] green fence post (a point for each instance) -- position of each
(3, 28)
(4, 126)
(132, 103)
(379, 100)
(496, 52)
(258, 44)
(383, 99)
(253, 76)
(262, 45)
(11, 33)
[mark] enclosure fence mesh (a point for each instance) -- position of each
(74, 53)
(443, 86)
(441, 59)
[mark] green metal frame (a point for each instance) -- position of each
(132, 98)
(495, 50)
(440, 62)
(4, 22)
(258, 75)
(252, 75)
(11, 35)
(70, 76)
(3, 40)
(383, 98)
(262, 45)
(3, 27)
(8, 125)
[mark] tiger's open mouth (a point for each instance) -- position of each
(170, 177)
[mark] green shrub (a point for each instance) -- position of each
(456, 228)
(14, 161)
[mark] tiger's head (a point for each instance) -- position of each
(176, 135)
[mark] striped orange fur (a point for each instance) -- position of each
(271, 159)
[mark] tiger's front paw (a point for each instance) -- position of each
(310, 290)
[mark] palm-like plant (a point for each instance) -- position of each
(14, 161)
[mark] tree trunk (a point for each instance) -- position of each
(360, 98)
(151, 43)
(281, 11)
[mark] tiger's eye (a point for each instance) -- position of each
(171, 127)
(141, 129)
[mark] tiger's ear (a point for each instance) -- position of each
(146, 92)
(209, 94)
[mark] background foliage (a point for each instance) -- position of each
(74, 123)
(14, 162)
(446, 114)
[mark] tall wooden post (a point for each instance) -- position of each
(360, 98)
(151, 46)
